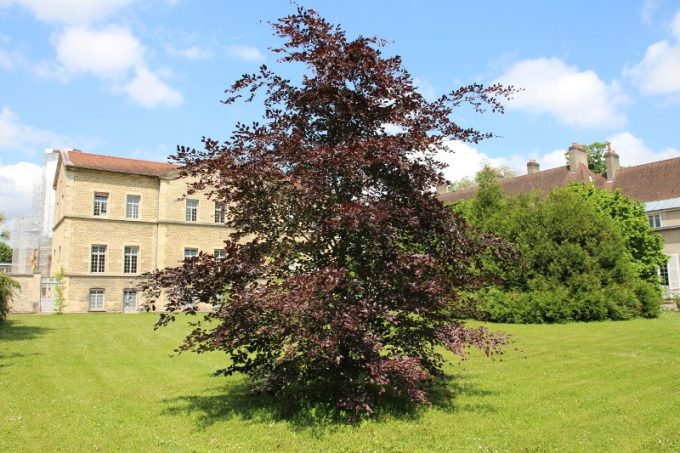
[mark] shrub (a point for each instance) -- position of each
(578, 260)
(7, 287)
(59, 300)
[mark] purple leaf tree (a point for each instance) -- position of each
(342, 264)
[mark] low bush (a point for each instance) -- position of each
(576, 262)
(7, 288)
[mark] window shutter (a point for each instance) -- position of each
(673, 272)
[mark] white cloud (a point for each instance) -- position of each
(574, 97)
(147, 90)
(107, 53)
(248, 53)
(426, 89)
(675, 26)
(116, 56)
(70, 11)
(633, 151)
(657, 72)
(6, 59)
(192, 53)
(16, 188)
(465, 161)
(553, 159)
(16, 136)
(649, 8)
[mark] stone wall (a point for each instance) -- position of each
(26, 300)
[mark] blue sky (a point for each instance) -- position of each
(136, 78)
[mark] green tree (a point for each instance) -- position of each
(7, 288)
(5, 249)
(596, 151)
(489, 196)
(59, 300)
(502, 172)
(643, 245)
(577, 261)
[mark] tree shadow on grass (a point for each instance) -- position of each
(319, 415)
(11, 330)
(14, 331)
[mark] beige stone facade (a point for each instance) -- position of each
(118, 208)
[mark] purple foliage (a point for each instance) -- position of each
(342, 263)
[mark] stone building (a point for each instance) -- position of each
(657, 184)
(117, 218)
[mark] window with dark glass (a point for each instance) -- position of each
(101, 203)
(655, 220)
(663, 275)
(130, 256)
(98, 258)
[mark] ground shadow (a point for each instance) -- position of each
(14, 331)
(11, 330)
(236, 400)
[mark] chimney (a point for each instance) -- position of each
(533, 167)
(443, 188)
(611, 161)
(577, 156)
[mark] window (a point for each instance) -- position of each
(220, 253)
(130, 259)
(101, 203)
(219, 212)
(192, 210)
(98, 260)
(190, 253)
(663, 275)
(129, 300)
(96, 299)
(655, 220)
(132, 207)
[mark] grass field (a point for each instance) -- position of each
(107, 383)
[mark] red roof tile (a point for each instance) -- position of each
(542, 181)
(650, 182)
(80, 159)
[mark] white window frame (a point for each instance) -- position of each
(220, 212)
(673, 267)
(132, 203)
(190, 252)
(191, 210)
(655, 220)
(663, 275)
(96, 300)
(130, 259)
(98, 258)
(101, 204)
(126, 293)
(220, 253)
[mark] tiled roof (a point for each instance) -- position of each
(542, 181)
(650, 182)
(80, 159)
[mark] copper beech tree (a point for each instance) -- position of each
(342, 263)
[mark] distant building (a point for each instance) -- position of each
(105, 220)
(657, 184)
(117, 218)
(32, 235)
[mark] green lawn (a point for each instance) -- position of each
(106, 382)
